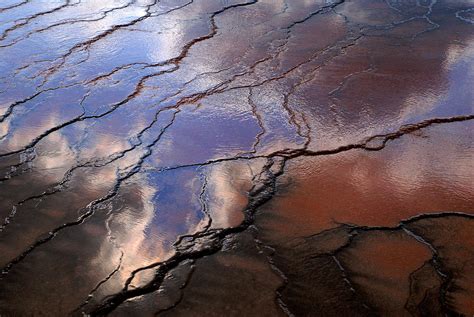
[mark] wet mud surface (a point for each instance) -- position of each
(229, 157)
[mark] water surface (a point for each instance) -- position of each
(229, 157)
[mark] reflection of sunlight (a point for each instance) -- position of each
(414, 164)
(57, 156)
(413, 167)
(228, 187)
(163, 46)
(113, 18)
(4, 127)
(427, 100)
(275, 5)
(57, 153)
(88, 10)
(418, 103)
(4, 108)
(408, 174)
(455, 51)
(131, 237)
(62, 156)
